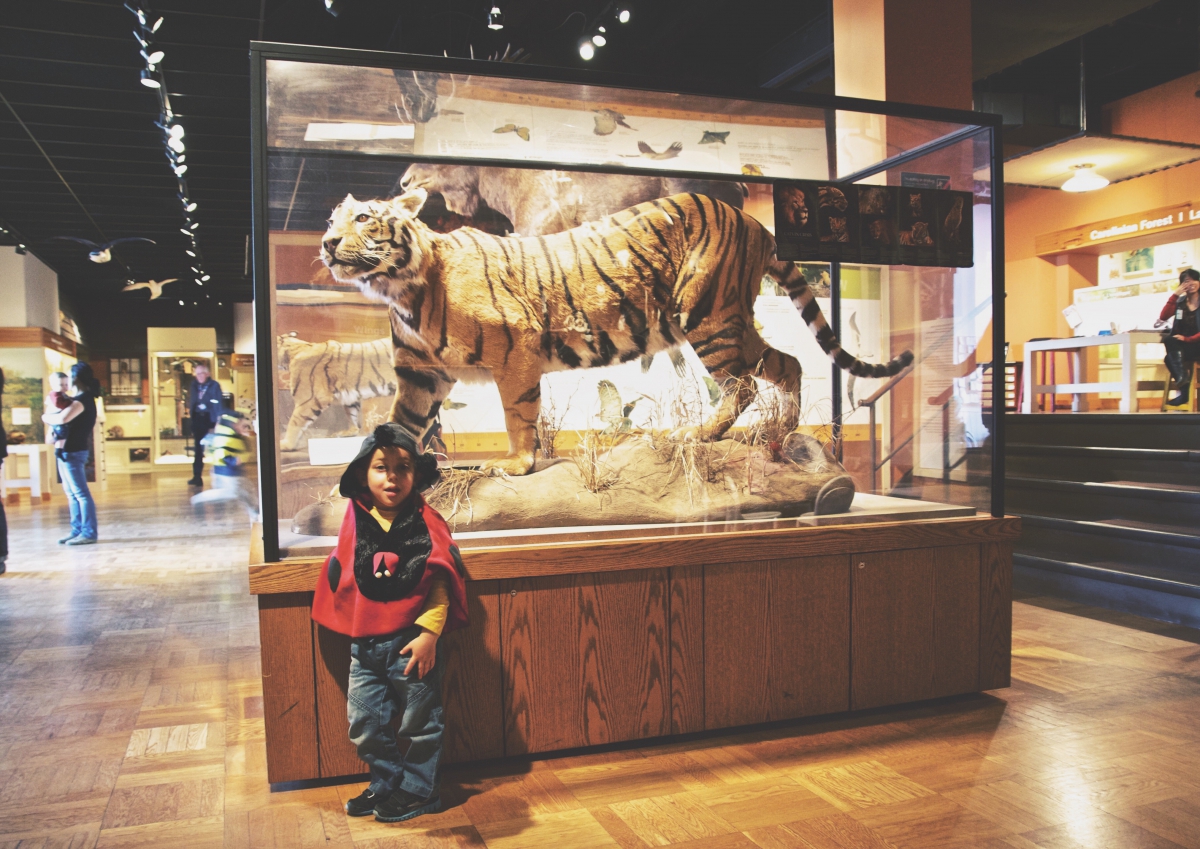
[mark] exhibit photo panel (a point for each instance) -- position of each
(572, 294)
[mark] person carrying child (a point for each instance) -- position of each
(229, 446)
(394, 584)
(59, 399)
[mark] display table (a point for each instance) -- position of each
(1127, 385)
(41, 473)
(589, 642)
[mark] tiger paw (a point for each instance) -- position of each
(511, 466)
(687, 434)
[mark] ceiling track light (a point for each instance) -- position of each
(333, 7)
(1084, 179)
(495, 19)
(149, 80)
(623, 14)
(586, 49)
(154, 57)
(599, 40)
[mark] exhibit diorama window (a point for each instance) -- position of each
(531, 159)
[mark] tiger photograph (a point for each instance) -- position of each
(680, 269)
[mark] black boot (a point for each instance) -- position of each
(1183, 396)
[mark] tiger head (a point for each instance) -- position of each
(377, 244)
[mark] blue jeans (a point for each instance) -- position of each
(72, 469)
(379, 691)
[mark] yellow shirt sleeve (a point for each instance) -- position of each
(437, 606)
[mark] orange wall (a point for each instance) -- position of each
(1039, 289)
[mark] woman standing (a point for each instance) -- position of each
(3, 454)
(80, 418)
(1183, 340)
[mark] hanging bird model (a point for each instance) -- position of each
(102, 253)
(613, 413)
(155, 286)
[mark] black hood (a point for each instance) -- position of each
(388, 435)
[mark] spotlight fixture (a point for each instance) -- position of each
(185, 232)
(1085, 179)
(181, 303)
(205, 277)
(623, 14)
(586, 49)
(156, 25)
(149, 80)
(189, 206)
(194, 224)
(495, 18)
(21, 250)
(190, 253)
(154, 58)
(599, 40)
(176, 144)
(333, 7)
(180, 170)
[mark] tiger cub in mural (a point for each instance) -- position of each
(646, 279)
(327, 373)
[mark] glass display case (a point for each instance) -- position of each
(170, 418)
(567, 284)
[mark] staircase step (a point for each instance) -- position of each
(1114, 430)
(1177, 504)
(1089, 583)
(1179, 536)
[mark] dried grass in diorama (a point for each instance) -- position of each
(550, 424)
(594, 470)
(452, 493)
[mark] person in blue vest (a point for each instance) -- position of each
(205, 405)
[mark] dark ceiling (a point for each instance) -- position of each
(96, 168)
(69, 70)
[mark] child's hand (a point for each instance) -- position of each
(423, 649)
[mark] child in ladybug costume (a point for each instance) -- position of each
(394, 583)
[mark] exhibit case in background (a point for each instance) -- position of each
(643, 365)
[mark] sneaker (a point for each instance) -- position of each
(82, 541)
(363, 804)
(402, 805)
(67, 539)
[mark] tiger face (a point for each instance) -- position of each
(377, 244)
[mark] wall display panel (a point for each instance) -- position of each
(571, 291)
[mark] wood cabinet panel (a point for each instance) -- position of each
(585, 659)
(687, 649)
(289, 710)
(995, 615)
(955, 620)
(776, 640)
(891, 627)
(473, 686)
(338, 755)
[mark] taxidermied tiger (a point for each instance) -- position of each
(327, 373)
(646, 279)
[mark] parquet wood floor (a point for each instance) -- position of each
(131, 716)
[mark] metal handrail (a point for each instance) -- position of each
(870, 402)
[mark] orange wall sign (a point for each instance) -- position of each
(1122, 227)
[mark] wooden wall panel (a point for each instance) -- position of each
(891, 627)
(776, 640)
(289, 701)
(473, 685)
(338, 755)
(955, 620)
(995, 615)
(585, 660)
(687, 649)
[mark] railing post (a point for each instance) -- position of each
(874, 451)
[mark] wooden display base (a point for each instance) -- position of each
(587, 643)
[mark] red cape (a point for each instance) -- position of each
(341, 607)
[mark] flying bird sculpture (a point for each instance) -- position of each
(155, 287)
(650, 153)
(102, 253)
